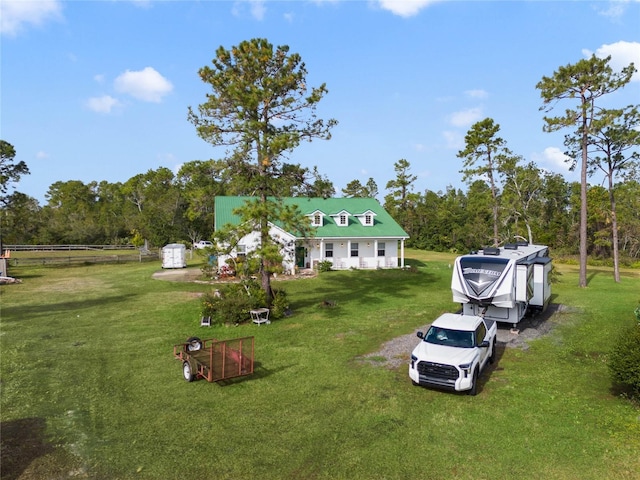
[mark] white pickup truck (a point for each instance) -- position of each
(453, 352)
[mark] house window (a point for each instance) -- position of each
(381, 250)
(354, 249)
(241, 250)
(328, 250)
(317, 220)
(342, 219)
(368, 219)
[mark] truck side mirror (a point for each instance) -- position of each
(484, 344)
(420, 335)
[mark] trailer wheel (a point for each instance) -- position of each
(474, 383)
(194, 344)
(186, 372)
(492, 358)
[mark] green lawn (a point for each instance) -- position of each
(90, 388)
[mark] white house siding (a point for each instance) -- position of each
(252, 241)
(367, 253)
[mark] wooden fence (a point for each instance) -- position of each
(63, 248)
(82, 260)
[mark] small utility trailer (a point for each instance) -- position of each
(215, 360)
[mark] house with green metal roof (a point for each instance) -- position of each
(348, 232)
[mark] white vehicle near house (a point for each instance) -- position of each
(202, 244)
(453, 352)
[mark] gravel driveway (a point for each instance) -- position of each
(396, 352)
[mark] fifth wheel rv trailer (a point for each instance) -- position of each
(501, 284)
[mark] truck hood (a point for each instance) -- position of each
(443, 354)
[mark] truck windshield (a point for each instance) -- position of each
(450, 338)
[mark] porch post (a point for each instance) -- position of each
(402, 252)
(375, 253)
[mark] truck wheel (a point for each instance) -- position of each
(194, 344)
(492, 358)
(186, 372)
(474, 383)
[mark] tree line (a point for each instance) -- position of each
(164, 207)
(261, 108)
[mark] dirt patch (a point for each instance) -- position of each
(195, 275)
(396, 352)
(178, 274)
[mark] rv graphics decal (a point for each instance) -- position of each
(482, 273)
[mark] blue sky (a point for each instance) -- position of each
(99, 90)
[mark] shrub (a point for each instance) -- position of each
(280, 305)
(226, 306)
(624, 361)
(232, 302)
(208, 271)
(325, 266)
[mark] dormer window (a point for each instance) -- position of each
(317, 218)
(341, 218)
(367, 218)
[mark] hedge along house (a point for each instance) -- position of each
(348, 232)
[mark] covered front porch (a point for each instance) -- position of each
(351, 253)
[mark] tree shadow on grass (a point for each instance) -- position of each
(22, 442)
(45, 309)
(412, 262)
(364, 287)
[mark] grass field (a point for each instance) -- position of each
(90, 388)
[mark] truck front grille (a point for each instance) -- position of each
(437, 371)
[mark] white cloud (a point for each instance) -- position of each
(176, 168)
(405, 8)
(42, 155)
(16, 14)
(622, 54)
(477, 93)
(257, 8)
(103, 104)
(465, 118)
(555, 158)
(453, 139)
(142, 3)
(615, 8)
(147, 85)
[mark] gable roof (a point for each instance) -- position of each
(384, 226)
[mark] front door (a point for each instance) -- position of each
(301, 253)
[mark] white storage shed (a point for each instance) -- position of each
(174, 255)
